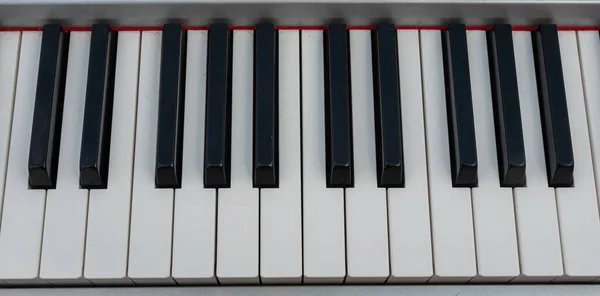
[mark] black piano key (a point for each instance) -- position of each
(47, 115)
(388, 114)
(217, 142)
(338, 110)
(507, 110)
(171, 103)
(459, 106)
(553, 107)
(95, 139)
(265, 131)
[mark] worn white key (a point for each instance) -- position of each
(281, 208)
(578, 218)
(535, 204)
(408, 208)
(107, 240)
(589, 51)
(23, 210)
(451, 216)
(151, 208)
(66, 206)
(493, 208)
(9, 58)
(323, 208)
(195, 207)
(366, 204)
(238, 206)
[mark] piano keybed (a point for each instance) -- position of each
(151, 151)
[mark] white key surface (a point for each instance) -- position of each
(281, 208)
(535, 205)
(578, 218)
(323, 208)
(493, 209)
(451, 214)
(195, 206)
(23, 210)
(66, 206)
(151, 208)
(9, 58)
(589, 49)
(366, 204)
(238, 206)
(408, 208)
(107, 240)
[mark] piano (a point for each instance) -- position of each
(324, 147)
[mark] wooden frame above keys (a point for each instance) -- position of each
(299, 12)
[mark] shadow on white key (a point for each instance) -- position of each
(107, 240)
(324, 242)
(493, 209)
(589, 56)
(281, 208)
(63, 245)
(238, 206)
(578, 219)
(366, 204)
(23, 210)
(451, 215)
(535, 204)
(195, 207)
(9, 58)
(408, 208)
(151, 208)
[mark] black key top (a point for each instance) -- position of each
(459, 106)
(171, 102)
(97, 121)
(47, 115)
(266, 138)
(338, 110)
(507, 110)
(553, 107)
(217, 141)
(388, 114)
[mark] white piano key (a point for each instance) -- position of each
(9, 58)
(366, 204)
(238, 206)
(323, 208)
(408, 208)
(151, 208)
(535, 205)
(578, 218)
(66, 206)
(589, 51)
(23, 210)
(107, 240)
(451, 215)
(493, 209)
(281, 208)
(195, 206)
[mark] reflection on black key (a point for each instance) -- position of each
(388, 114)
(95, 138)
(265, 131)
(171, 100)
(507, 112)
(338, 121)
(459, 107)
(47, 115)
(553, 107)
(217, 142)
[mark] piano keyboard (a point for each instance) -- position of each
(278, 155)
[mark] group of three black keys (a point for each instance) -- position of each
(96, 133)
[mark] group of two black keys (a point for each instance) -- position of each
(96, 134)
